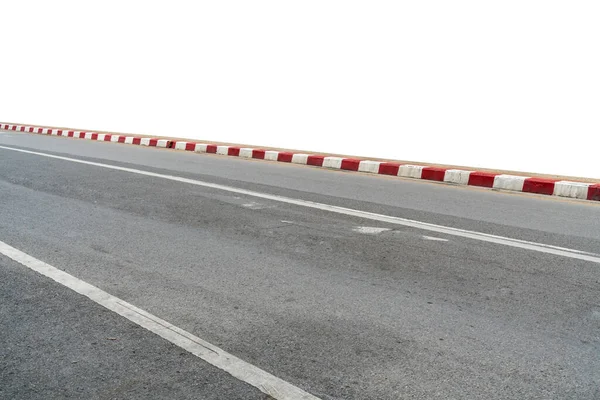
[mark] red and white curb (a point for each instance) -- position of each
(105, 137)
(577, 190)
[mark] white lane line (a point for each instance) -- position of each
(484, 237)
(262, 380)
(370, 230)
(435, 239)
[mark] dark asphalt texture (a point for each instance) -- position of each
(296, 291)
(57, 344)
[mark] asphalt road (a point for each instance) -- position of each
(301, 293)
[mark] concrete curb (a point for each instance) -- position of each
(526, 184)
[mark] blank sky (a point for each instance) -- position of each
(511, 84)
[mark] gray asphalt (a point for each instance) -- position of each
(338, 313)
(56, 344)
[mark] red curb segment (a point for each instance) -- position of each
(539, 185)
(285, 156)
(483, 179)
(594, 192)
(433, 174)
(316, 161)
(389, 168)
(350, 164)
(580, 190)
(258, 154)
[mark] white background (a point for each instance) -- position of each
(499, 84)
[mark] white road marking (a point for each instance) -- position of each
(370, 230)
(434, 238)
(255, 206)
(484, 237)
(262, 380)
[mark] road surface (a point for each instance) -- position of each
(336, 303)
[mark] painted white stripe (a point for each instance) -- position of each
(240, 369)
(162, 143)
(88, 135)
(509, 182)
(45, 130)
(410, 171)
(145, 141)
(457, 176)
(271, 155)
(54, 132)
(484, 237)
(369, 166)
(129, 140)
(577, 190)
(246, 152)
(223, 150)
(101, 137)
(370, 230)
(300, 158)
(332, 162)
(434, 239)
(115, 138)
(180, 145)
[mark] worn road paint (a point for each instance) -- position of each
(369, 230)
(434, 238)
